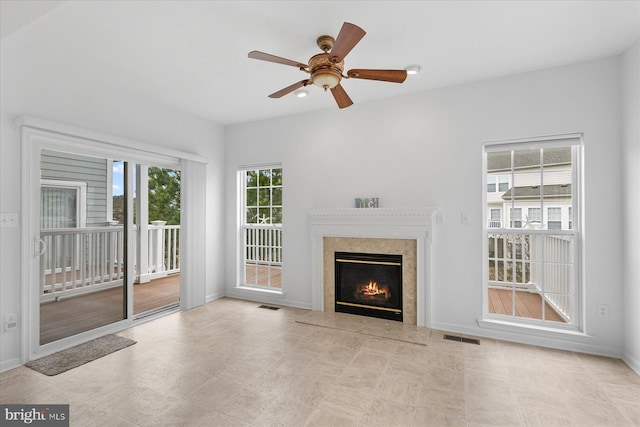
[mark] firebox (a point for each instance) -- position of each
(369, 284)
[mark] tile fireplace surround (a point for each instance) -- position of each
(378, 230)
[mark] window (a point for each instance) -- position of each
(532, 273)
(554, 218)
(62, 204)
(495, 220)
(497, 183)
(262, 227)
(533, 216)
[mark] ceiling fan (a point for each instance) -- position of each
(326, 69)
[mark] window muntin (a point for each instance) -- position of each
(516, 217)
(262, 227)
(532, 260)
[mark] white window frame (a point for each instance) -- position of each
(243, 227)
(81, 197)
(541, 327)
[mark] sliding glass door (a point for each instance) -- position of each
(82, 250)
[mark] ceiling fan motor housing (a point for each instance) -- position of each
(324, 73)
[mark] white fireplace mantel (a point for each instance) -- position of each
(382, 223)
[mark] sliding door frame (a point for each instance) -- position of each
(38, 134)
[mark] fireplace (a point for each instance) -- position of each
(369, 284)
(405, 231)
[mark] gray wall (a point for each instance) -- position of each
(90, 170)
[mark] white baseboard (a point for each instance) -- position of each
(265, 297)
(7, 365)
(214, 297)
(580, 346)
(631, 361)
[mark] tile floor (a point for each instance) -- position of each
(230, 363)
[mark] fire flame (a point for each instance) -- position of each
(373, 289)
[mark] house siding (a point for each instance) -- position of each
(91, 170)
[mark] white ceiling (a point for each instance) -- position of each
(193, 54)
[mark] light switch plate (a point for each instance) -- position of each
(8, 220)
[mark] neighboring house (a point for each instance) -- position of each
(513, 199)
(75, 190)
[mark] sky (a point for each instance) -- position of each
(118, 178)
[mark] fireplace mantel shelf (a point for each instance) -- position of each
(373, 215)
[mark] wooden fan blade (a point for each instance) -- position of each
(348, 37)
(395, 76)
(278, 60)
(289, 89)
(341, 96)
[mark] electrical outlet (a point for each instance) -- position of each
(8, 220)
(10, 321)
(603, 310)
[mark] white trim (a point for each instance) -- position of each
(241, 271)
(125, 144)
(391, 223)
(575, 141)
(544, 141)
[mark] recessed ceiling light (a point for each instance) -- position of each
(301, 93)
(413, 69)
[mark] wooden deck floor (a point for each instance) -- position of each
(528, 305)
(71, 316)
(263, 275)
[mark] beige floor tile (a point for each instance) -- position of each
(82, 413)
(453, 402)
(437, 417)
(285, 412)
(488, 386)
(330, 414)
(214, 392)
(356, 397)
(630, 409)
(186, 412)
(592, 413)
(382, 412)
(400, 389)
(229, 363)
(246, 405)
(437, 378)
(492, 412)
(445, 359)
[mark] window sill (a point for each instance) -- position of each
(539, 331)
(261, 290)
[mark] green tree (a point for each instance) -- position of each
(164, 195)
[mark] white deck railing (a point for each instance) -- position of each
(164, 250)
(263, 244)
(81, 260)
(534, 262)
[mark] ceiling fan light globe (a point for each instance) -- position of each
(325, 79)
